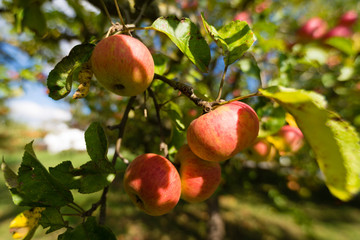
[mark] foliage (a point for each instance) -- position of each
(265, 62)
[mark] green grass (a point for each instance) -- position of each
(247, 214)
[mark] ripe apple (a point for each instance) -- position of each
(263, 150)
(153, 184)
(293, 139)
(349, 18)
(199, 178)
(314, 28)
(339, 31)
(243, 16)
(222, 133)
(123, 65)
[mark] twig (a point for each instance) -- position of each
(187, 91)
(76, 207)
(143, 8)
(106, 11)
(119, 13)
(222, 83)
(163, 145)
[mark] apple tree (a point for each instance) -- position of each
(181, 90)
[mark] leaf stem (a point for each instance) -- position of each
(239, 98)
(76, 207)
(222, 83)
(163, 145)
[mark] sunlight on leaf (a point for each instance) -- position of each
(335, 142)
(24, 225)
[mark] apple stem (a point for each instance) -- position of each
(120, 16)
(222, 83)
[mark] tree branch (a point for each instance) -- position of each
(187, 91)
(163, 145)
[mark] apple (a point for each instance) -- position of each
(153, 184)
(243, 16)
(339, 31)
(199, 178)
(349, 18)
(123, 65)
(293, 139)
(314, 28)
(188, 4)
(223, 132)
(263, 150)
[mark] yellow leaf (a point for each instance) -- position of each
(24, 224)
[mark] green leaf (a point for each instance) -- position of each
(161, 63)
(96, 142)
(187, 37)
(234, 38)
(335, 142)
(11, 179)
(37, 186)
(36, 24)
(94, 177)
(343, 44)
(60, 78)
(64, 174)
(174, 112)
(51, 217)
(89, 178)
(89, 230)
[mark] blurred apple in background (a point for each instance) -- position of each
(349, 18)
(243, 16)
(313, 29)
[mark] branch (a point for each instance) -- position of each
(163, 145)
(222, 84)
(187, 91)
(102, 200)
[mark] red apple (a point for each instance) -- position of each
(199, 178)
(314, 28)
(262, 150)
(349, 18)
(222, 133)
(243, 16)
(188, 4)
(123, 65)
(339, 31)
(293, 139)
(153, 184)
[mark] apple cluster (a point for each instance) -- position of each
(155, 185)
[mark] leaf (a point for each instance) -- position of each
(37, 186)
(60, 78)
(94, 177)
(186, 36)
(51, 217)
(174, 112)
(64, 174)
(343, 44)
(25, 224)
(89, 230)
(161, 63)
(335, 142)
(11, 179)
(96, 142)
(234, 38)
(36, 24)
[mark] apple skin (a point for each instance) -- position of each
(314, 28)
(293, 139)
(262, 150)
(339, 31)
(123, 65)
(349, 18)
(153, 184)
(199, 178)
(222, 133)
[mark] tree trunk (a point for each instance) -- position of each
(216, 226)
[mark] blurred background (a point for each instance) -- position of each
(267, 192)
